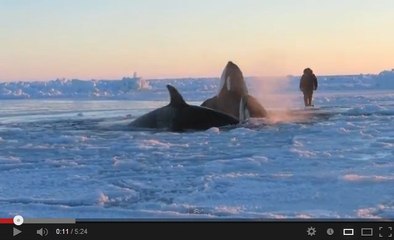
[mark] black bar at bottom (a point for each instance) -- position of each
(335, 230)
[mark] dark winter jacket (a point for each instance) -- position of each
(308, 82)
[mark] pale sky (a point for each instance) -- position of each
(109, 39)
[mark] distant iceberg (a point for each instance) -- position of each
(193, 89)
(72, 88)
(385, 79)
(135, 83)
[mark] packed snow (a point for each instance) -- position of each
(66, 151)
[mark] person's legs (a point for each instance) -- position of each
(310, 99)
(305, 99)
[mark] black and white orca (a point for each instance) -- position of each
(233, 97)
(179, 116)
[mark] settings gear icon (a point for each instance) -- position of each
(311, 231)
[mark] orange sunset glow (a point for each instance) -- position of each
(44, 40)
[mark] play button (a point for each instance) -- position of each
(16, 232)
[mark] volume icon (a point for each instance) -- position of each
(42, 232)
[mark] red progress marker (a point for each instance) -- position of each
(6, 221)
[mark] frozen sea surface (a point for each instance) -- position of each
(77, 158)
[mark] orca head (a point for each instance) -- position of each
(232, 80)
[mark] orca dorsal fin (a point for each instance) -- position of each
(176, 97)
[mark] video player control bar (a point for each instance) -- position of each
(86, 229)
(19, 220)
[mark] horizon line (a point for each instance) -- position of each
(188, 77)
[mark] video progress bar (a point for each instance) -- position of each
(49, 221)
(6, 221)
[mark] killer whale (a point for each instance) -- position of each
(178, 116)
(233, 97)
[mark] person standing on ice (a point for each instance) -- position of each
(308, 84)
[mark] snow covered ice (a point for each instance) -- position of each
(65, 151)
